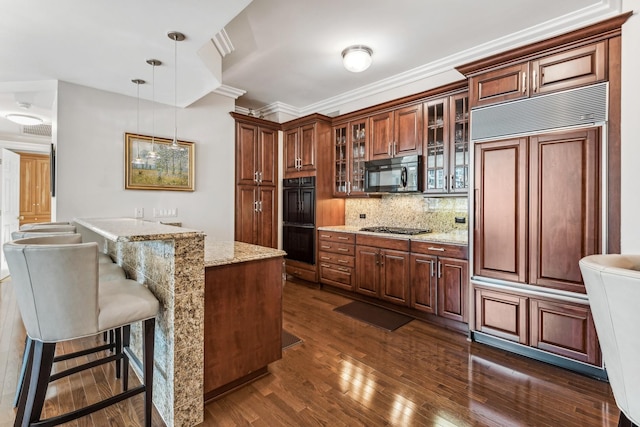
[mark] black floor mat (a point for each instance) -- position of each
(289, 340)
(376, 316)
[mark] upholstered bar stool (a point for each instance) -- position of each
(33, 225)
(613, 287)
(58, 293)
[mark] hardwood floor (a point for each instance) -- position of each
(347, 373)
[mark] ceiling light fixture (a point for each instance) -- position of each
(154, 63)
(138, 161)
(357, 58)
(176, 37)
(24, 119)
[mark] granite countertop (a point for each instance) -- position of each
(460, 237)
(135, 230)
(222, 253)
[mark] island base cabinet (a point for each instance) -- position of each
(242, 323)
(556, 326)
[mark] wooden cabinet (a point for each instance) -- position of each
(336, 256)
(301, 140)
(382, 268)
(396, 133)
(537, 208)
(560, 327)
(256, 205)
(35, 195)
(256, 154)
(439, 279)
(560, 70)
(256, 222)
(446, 140)
(349, 156)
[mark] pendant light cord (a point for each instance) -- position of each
(175, 92)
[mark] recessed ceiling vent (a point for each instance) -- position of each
(39, 130)
(575, 107)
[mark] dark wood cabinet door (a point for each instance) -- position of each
(459, 143)
(504, 84)
(452, 288)
(565, 329)
(502, 314)
(575, 67)
(291, 150)
(408, 131)
(381, 136)
(436, 149)
(306, 149)
(268, 156)
(246, 228)
(423, 282)
(564, 207)
(367, 270)
(394, 276)
(267, 232)
(246, 153)
(501, 187)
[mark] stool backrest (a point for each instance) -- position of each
(55, 280)
(34, 225)
(22, 234)
(613, 287)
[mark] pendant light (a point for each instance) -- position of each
(176, 37)
(138, 161)
(154, 63)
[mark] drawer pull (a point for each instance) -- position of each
(325, 257)
(435, 249)
(343, 249)
(325, 236)
(343, 238)
(325, 247)
(343, 269)
(343, 261)
(325, 265)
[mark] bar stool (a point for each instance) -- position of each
(58, 293)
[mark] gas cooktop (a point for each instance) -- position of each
(396, 230)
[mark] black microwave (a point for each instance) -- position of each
(396, 175)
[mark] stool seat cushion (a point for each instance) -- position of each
(110, 272)
(104, 258)
(122, 302)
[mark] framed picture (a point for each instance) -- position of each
(52, 171)
(156, 164)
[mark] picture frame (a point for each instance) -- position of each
(52, 170)
(172, 169)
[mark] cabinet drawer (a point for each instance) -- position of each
(382, 242)
(301, 273)
(336, 275)
(440, 249)
(338, 248)
(502, 314)
(338, 259)
(338, 237)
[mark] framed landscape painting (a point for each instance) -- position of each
(157, 164)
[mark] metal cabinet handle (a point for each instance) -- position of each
(342, 261)
(325, 265)
(395, 148)
(325, 247)
(343, 269)
(389, 149)
(326, 236)
(377, 259)
(451, 181)
(255, 176)
(255, 206)
(535, 81)
(439, 269)
(431, 248)
(343, 249)
(325, 257)
(431, 270)
(524, 82)
(342, 238)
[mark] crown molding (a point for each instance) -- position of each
(229, 91)
(223, 43)
(562, 24)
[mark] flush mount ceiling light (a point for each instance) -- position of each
(357, 58)
(24, 119)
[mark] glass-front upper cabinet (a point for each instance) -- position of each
(446, 154)
(460, 147)
(436, 141)
(349, 156)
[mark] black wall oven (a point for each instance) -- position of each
(299, 216)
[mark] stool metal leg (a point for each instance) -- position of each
(23, 369)
(24, 386)
(149, 333)
(42, 361)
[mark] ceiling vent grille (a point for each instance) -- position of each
(40, 130)
(575, 107)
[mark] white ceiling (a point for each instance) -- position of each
(286, 51)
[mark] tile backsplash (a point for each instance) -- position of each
(415, 211)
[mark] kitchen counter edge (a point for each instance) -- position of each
(454, 237)
(218, 253)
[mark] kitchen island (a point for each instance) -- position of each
(171, 262)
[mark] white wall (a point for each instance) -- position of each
(90, 165)
(631, 131)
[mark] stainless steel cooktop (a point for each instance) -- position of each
(396, 230)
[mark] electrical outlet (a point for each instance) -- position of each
(363, 216)
(138, 212)
(460, 220)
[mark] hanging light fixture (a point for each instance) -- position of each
(154, 63)
(357, 58)
(176, 37)
(138, 161)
